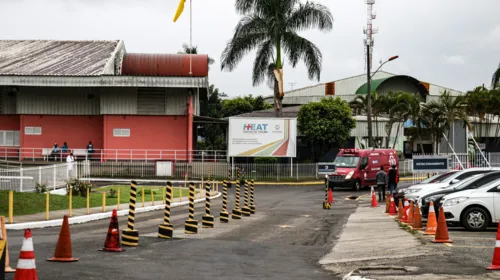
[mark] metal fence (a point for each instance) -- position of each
(198, 170)
(25, 179)
(46, 154)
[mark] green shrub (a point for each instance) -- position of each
(78, 187)
(41, 187)
(265, 160)
(148, 191)
(112, 193)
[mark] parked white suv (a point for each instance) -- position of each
(413, 193)
(475, 208)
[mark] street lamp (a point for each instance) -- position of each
(369, 94)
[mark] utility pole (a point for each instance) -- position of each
(291, 85)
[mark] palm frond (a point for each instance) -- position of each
(495, 79)
(261, 63)
(257, 6)
(238, 47)
(250, 24)
(310, 15)
(300, 48)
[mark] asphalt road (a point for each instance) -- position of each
(284, 240)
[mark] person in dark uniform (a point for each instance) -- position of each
(392, 179)
(381, 183)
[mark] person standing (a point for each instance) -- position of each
(69, 161)
(392, 179)
(381, 183)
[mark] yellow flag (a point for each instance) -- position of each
(180, 9)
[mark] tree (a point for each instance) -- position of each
(186, 49)
(271, 27)
(214, 135)
(495, 79)
(325, 124)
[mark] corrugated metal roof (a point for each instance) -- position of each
(165, 65)
(55, 58)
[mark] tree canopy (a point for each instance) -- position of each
(325, 124)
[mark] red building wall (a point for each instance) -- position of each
(9, 122)
(77, 131)
(165, 133)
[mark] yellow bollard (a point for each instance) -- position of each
(180, 193)
(152, 196)
(88, 201)
(201, 190)
(104, 202)
(11, 207)
(142, 190)
(71, 202)
(118, 199)
(47, 203)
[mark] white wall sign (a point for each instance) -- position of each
(262, 137)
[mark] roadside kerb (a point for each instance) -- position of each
(97, 216)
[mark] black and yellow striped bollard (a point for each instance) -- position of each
(191, 225)
(237, 211)
(246, 210)
(166, 230)
(130, 236)
(207, 221)
(224, 215)
(326, 204)
(252, 202)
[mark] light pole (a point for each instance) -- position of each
(369, 77)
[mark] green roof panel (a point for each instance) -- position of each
(374, 85)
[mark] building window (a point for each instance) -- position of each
(121, 132)
(10, 138)
(32, 130)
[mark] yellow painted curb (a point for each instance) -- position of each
(411, 179)
(290, 183)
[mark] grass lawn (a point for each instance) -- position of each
(31, 203)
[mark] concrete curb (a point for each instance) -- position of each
(97, 216)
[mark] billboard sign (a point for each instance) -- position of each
(262, 137)
(326, 168)
(424, 164)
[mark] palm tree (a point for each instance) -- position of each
(186, 49)
(415, 115)
(271, 27)
(495, 79)
(439, 115)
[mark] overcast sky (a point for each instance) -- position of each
(452, 43)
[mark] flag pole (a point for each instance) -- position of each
(191, 36)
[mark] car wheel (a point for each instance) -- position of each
(357, 186)
(475, 219)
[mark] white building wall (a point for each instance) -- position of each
(435, 90)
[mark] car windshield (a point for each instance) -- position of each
(437, 178)
(465, 182)
(344, 161)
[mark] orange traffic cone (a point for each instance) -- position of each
(417, 218)
(8, 269)
(392, 208)
(64, 251)
(495, 263)
(387, 204)
(442, 230)
(112, 243)
(431, 226)
(400, 210)
(26, 268)
(374, 199)
(410, 214)
(405, 211)
(330, 195)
